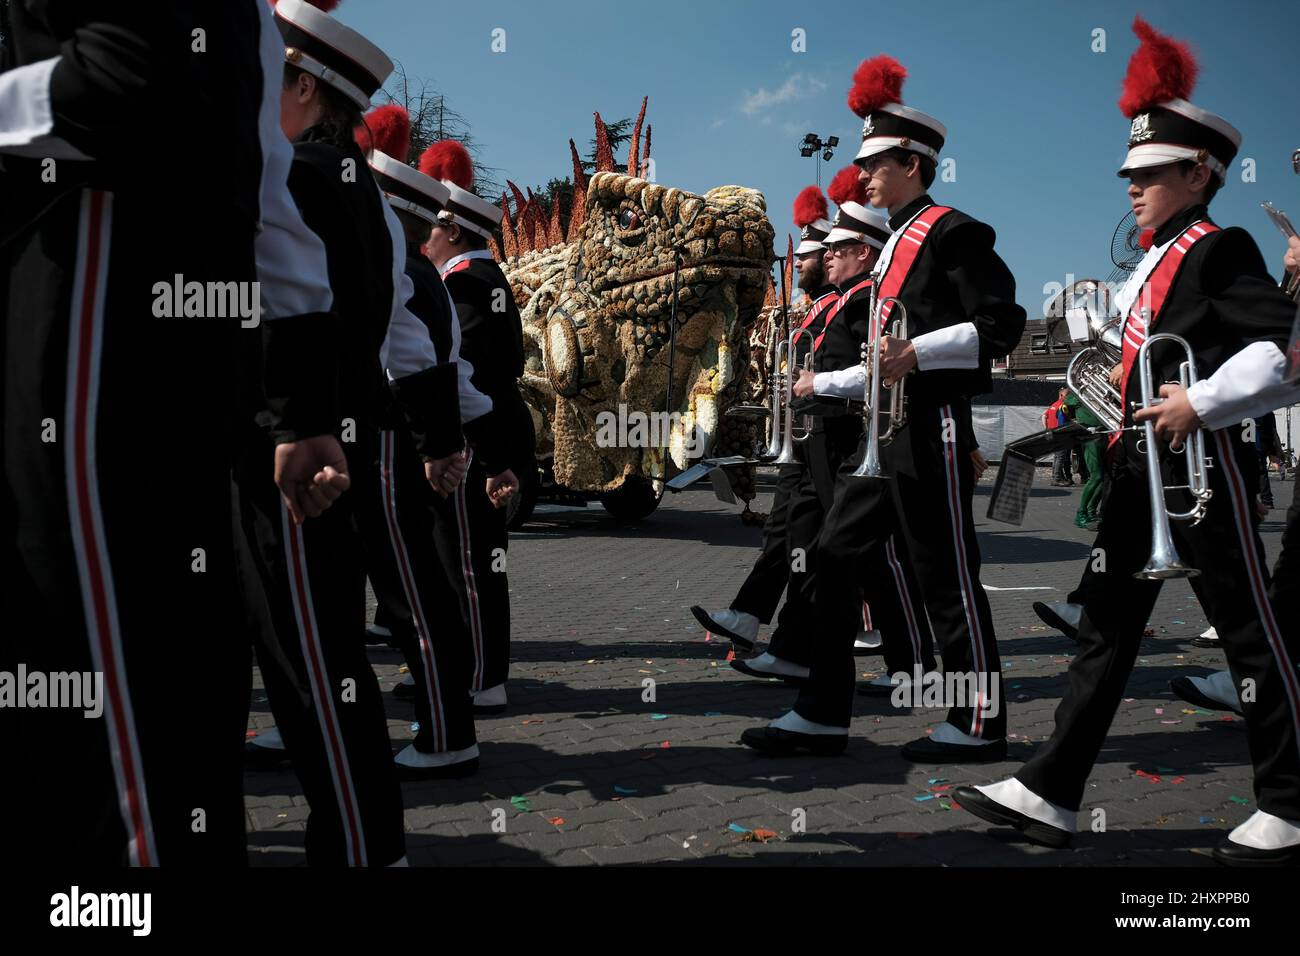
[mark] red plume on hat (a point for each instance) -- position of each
(451, 161)
(809, 206)
(876, 82)
(1161, 69)
(845, 187)
(388, 130)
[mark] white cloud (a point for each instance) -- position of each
(798, 86)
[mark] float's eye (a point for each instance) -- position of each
(628, 219)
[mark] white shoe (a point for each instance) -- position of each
(767, 665)
(268, 740)
(490, 696)
(735, 625)
(1210, 634)
(867, 640)
(1263, 831)
(798, 725)
(408, 680)
(1014, 795)
(418, 759)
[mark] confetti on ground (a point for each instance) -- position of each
(666, 744)
(534, 720)
(403, 669)
(556, 821)
(250, 733)
(737, 828)
(1171, 721)
(923, 797)
(521, 804)
(760, 836)
(933, 780)
(658, 716)
(1160, 711)
(713, 713)
(1205, 819)
(415, 727)
(731, 656)
(1240, 801)
(941, 788)
(1148, 777)
(1178, 780)
(624, 790)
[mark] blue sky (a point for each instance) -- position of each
(1030, 108)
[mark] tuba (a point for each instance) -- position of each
(870, 467)
(1088, 374)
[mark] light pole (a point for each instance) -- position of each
(812, 145)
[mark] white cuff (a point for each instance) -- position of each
(1248, 385)
(844, 383)
(955, 346)
(25, 113)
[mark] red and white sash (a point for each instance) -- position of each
(902, 251)
(1151, 297)
(840, 302)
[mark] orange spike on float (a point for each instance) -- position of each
(554, 233)
(496, 253)
(508, 230)
(645, 161)
(789, 265)
(604, 154)
(634, 150)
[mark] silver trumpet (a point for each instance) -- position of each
(786, 455)
(870, 467)
(774, 372)
(1164, 562)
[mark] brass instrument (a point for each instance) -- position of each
(870, 467)
(784, 388)
(1164, 562)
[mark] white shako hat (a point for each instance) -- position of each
(338, 55)
(886, 122)
(1166, 128)
(385, 136)
(810, 215)
(450, 163)
(854, 220)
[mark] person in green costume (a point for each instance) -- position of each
(1086, 516)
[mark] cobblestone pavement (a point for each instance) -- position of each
(582, 770)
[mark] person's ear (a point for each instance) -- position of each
(1200, 177)
(306, 86)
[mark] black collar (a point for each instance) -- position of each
(897, 222)
(860, 277)
(823, 290)
(1179, 223)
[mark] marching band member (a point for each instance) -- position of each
(402, 557)
(1210, 286)
(960, 305)
(476, 543)
(322, 690)
(151, 398)
(759, 595)
(852, 248)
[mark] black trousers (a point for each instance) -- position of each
(401, 545)
(117, 548)
(889, 599)
(311, 652)
(926, 501)
(1226, 548)
(761, 592)
(1283, 591)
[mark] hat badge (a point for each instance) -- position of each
(803, 233)
(868, 127)
(1141, 130)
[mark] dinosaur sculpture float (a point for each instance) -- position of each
(596, 302)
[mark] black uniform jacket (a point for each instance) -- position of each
(958, 278)
(1222, 299)
(492, 339)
